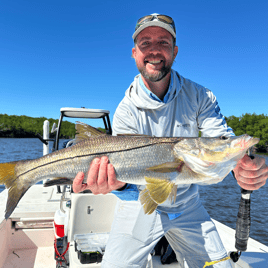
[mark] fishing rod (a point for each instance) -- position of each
(243, 221)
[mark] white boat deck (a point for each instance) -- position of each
(33, 247)
(29, 247)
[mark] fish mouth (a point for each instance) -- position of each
(253, 141)
(246, 141)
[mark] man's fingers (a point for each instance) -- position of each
(77, 183)
(255, 180)
(102, 177)
(113, 183)
(251, 187)
(111, 175)
(252, 164)
(93, 172)
(252, 173)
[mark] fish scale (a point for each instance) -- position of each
(158, 163)
(131, 166)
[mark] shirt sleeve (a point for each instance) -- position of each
(210, 121)
(130, 193)
(124, 121)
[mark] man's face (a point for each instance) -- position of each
(154, 53)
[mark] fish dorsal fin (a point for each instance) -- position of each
(133, 135)
(85, 132)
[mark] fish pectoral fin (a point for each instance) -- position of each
(167, 167)
(85, 132)
(149, 205)
(156, 192)
(58, 181)
(159, 189)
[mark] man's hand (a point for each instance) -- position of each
(101, 178)
(251, 174)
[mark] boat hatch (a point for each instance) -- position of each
(32, 223)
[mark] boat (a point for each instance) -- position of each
(53, 227)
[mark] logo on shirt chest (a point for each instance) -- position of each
(183, 125)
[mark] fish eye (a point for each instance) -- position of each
(224, 138)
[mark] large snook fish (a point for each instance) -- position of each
(159, 163)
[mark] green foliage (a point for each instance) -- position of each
(67, 130)
(102, 129)
(14, 126)
(25, 127)
(252, 124)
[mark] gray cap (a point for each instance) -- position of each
(156, 22)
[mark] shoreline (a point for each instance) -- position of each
(34, 137)
(266, 154)
(28, 136)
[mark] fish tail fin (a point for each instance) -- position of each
(7, 173)
(58, 181)
(11, 181)
(157, 192)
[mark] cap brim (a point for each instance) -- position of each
(154, 23)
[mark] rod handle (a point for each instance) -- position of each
(243, 221)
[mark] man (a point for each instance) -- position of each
(161, 102)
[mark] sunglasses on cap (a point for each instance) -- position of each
(164, 18)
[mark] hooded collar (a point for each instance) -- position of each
(141, 99)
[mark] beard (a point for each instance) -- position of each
(158, 75)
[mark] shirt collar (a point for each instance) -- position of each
(152, 95)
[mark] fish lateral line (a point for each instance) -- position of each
(97, 154)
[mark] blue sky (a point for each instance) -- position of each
(57, 54)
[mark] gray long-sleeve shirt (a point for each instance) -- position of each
(190, 108)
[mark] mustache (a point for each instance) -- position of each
(154, 57)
